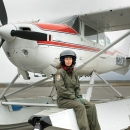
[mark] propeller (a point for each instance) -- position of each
(3, 17)
(30, 35)
(3, 14)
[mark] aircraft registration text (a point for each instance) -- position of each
(120, 60)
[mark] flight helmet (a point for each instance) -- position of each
(67, 53)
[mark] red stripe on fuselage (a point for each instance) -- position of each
(69, 45)
(56, 27)
(75, 46)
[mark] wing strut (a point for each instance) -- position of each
(91, 85)
(100, 52)
(90, 88)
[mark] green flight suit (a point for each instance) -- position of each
(67, 92)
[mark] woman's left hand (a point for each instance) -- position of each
(80, 100)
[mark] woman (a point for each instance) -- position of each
(69, 95)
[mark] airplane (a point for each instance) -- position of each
(35, 47)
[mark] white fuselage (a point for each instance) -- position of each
(36, 56)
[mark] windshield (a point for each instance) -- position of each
(74, 23)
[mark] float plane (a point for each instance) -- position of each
(35, 47)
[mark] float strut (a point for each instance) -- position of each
(7, 88)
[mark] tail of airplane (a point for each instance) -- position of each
(124, 48)
(124, 45)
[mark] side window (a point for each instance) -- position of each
(76, 25)
(101, 39)
(108, 41)
(90, 33)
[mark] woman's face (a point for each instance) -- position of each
(68, 61)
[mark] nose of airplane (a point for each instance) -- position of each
(5, 32)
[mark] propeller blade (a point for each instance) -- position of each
(2, 41)
(30, 35)
(3, 14)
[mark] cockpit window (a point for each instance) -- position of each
(101, 39)
(108, 42)
(76, 25)
(90, 33)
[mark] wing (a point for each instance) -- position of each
(104, 14)
(112, 20)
